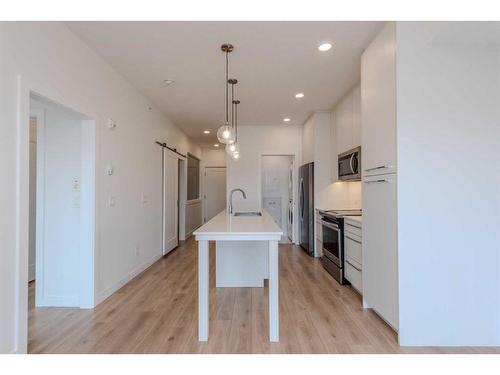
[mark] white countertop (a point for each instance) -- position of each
(358, 219)
(240, 227)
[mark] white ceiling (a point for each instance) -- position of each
(271, 60)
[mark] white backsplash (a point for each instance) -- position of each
(340, 195)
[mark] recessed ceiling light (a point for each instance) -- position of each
(324, 46)
(286, 119)
(299, 95)
(206, 131)
(169, 82)
(216, 145)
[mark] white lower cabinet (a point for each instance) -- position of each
(354, 273)
(379, 252)
(353, 248)
(353, 255)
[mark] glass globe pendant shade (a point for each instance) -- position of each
(235, 156)
(231, 148)
(225, 134)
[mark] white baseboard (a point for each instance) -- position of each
(101, 296)
(59, 301)
(190, 233)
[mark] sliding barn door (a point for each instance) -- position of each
(170, 201)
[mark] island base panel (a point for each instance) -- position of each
(203, 291)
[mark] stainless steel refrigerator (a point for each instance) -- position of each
(306, 207)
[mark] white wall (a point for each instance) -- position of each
(53, 62)
(256, 141)
(213, 157)
(448, 96)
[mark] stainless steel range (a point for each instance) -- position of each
(333, 241)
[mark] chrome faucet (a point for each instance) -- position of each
(231, 199)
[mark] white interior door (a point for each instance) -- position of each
(215, 191)
(170, 201)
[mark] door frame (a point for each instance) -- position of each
(181, 197)
(205, 188)
(25, 88)
(84, 297)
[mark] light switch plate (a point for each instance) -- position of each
(111, 124)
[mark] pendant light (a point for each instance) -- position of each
(225, 134)
(230, 148)
(236, 152)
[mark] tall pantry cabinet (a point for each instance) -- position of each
(379, 189)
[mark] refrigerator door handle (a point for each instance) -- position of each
(302, 199)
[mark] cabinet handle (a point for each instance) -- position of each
(379, 167)
(376, 181)
(350, 224)
(353, 266)
(352, 239)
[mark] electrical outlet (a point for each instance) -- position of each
(144, 198)
(111, 201)
(137, 251)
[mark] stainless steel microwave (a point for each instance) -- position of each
(350, 165)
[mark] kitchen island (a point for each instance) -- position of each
(239, 238)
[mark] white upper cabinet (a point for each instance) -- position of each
(333, 147)
(378, 98)
(348, 121)
(343, 113)
(356, 117)
(345, 126)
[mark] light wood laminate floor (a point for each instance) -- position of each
(157, 313)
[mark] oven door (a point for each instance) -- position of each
(331, 242)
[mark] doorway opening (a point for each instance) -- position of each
(215, 191)
(277, 191)
(61, 213)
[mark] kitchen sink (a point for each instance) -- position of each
(248, 213)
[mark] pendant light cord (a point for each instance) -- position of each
(236, 122)
(232, 105)
(227, 87)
